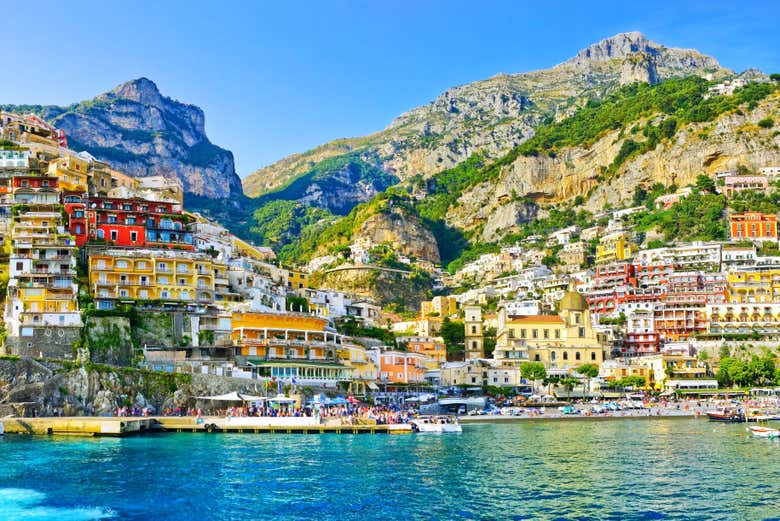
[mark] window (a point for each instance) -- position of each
(536, 357)
(565, 355)
(522, 333)
(593, 356)
(134, 236)
(577, 355)
(19, 266)
(123, 293)
(557, 333)
(511, 333)
(552, 356)
(535, 333)
(101, 234)
(114, 235)
(121, 264)
(546, 333)
(473, 330)
(582, 332)
(474, 345)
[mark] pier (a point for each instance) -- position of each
(112, 426)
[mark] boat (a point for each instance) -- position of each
(726, 414)
(436, 424)
(2, 428)
(760, 431)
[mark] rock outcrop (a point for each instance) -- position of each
(139, 131)
(403, 231)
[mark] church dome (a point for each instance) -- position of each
(573, 300)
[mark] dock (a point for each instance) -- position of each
(127, 426)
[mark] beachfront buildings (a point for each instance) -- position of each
(399, 367)
(290, 346)
(562, 342)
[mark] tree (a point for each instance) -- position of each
(589, 370)
(489, 341)
(533, 371)
(705, 183)
(454, 334)
(774, 76)
(296, 303)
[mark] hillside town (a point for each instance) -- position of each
(99, 265)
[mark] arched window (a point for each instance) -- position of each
(552, 356)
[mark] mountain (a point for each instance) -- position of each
(139, 131)
(495, 115)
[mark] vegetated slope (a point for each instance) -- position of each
(674, 133)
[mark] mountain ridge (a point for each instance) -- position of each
(497, 113)
(139, 131)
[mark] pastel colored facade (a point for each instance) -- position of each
(661, 372)
(615, 247)
(41, 289)
(753, 225)
(132, 275)
(760, 320)
(750, 286)
(739, 183)
(669, 200)
(71, 173)
(297, 279)
(400, 367)
(289, 346)
(562, 342)
(443, 306)
(432, 348)
(474, 335)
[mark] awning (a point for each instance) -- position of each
(280, 398)
(232, 397)
(373, 386)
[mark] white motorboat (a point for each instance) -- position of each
(436, 424)
(764, 432)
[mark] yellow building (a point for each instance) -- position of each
(754, 286)
(615, 247)
(297, 279)
(432, 348)
(290, 346)
(41, 290)
(130, 275)
(562, 342)
(443, 306)
(71, 173)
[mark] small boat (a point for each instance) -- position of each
(725, 414)
(764, 432)
(2, 428)
(436, 424)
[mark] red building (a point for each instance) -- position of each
(614, 275)
(129, 223)
(753, 225)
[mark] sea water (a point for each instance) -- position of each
(620, 469)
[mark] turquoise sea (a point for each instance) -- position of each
(617, 470)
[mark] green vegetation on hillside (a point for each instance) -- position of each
(682, 100)
(698, 217)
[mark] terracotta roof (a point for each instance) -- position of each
(537, 319)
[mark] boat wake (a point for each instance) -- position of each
(22, 503)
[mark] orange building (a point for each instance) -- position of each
(432, 348)
(400, 367)
(753, 225)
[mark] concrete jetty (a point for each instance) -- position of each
(125, 426)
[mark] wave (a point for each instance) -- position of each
(22, 503)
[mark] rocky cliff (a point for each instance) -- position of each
(494, 115)
(139, 131)
(496, 207)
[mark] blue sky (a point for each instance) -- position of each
(276, 78)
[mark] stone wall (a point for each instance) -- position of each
(46, 342)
